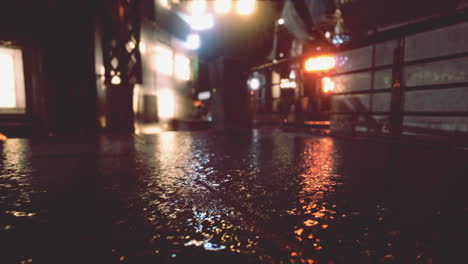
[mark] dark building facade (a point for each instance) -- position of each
(79, 67)
(399, 67)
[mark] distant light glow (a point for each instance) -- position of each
(182, 67)
(142, 47)
(201, 21)
(116, 80)
(254, 83)
(165, 3)
(204, 95)
(328, 34)
(7, 81)
(292, 75)
(327, 85)
(166, 103)
(281, 21)
(321, 63)
(197, 7)
(3, 137)
(193, 41)
(245, 7)
(340, 39)
(286, 83)
(223, 6)
(163, 57)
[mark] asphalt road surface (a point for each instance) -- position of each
(247, 196)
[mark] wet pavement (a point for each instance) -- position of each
(256, 196)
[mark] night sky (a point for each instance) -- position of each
(247, 38)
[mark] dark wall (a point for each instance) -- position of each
(230, 95)
(56, 38)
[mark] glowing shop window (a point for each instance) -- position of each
(12, 98)
(182, 67)
(166, 103)
(163, 58)
(327, 85)
(7, 81)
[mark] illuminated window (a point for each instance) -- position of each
(327, 85)
(12, 98)
(166, 103)
(182, 67)
(163, 59)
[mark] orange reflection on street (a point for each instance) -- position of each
(317, 179)
(318, 162)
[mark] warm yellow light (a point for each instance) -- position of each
(165, 103)
(116, 80)
(182, 67)
(327, 85)
(7, 81)
(223, 6)
(287, 83)
(165, 3)
(245, 7)
(321, 63)
(164, 63)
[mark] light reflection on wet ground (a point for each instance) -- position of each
(258, 196)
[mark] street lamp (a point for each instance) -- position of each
(254, 84)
